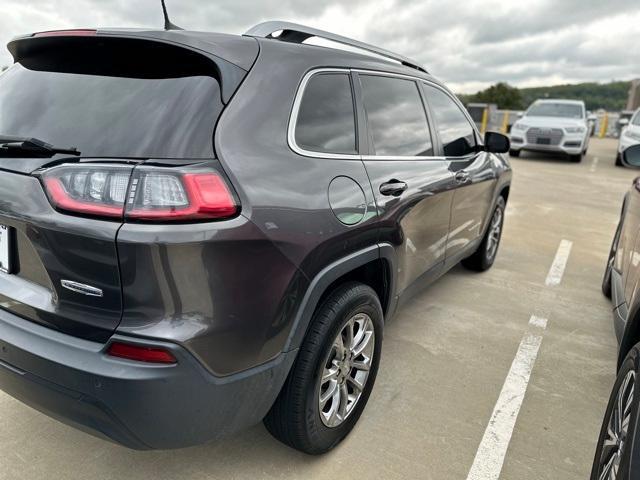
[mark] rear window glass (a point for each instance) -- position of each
(114, 98)
(326, 119)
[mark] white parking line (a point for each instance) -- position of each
(559, 264)
(491, 453)
(489, 459)
(594, 165)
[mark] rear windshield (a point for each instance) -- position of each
(562, 110)
(114, 98)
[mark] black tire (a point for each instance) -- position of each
(619, 160)
(514, 153)
(295, 418)
(483, 258)
(576, 158)
(606, 280)
(630, 369)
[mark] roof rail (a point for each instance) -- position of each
(295, 33)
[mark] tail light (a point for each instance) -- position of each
(140, 353)
(89, 189)
(146, 194)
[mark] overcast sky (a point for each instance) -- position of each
(470, 44)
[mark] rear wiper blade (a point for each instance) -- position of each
(38, 148)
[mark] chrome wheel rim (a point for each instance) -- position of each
(495, 230)
(617, 429)
(346, 370)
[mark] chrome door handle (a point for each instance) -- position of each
(393, 188)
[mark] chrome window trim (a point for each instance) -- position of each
(293, 119)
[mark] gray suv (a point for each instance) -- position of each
(201, 231)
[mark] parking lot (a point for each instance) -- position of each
(445, 359)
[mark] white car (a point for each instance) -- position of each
(552, 126)
(630, 136)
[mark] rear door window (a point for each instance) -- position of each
(326, 118)
(456, 132)
(396, 117)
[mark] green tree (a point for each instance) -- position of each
(502, 94)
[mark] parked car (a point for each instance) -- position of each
(552, 126)
(618, 448)
(630, 135)
(192, 241)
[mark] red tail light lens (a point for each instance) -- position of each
(141, 354)
(98, 190)
(151, 194)
(167, 196)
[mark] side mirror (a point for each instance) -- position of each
(631, 156)
(520, 114)
(623, 122)
(496, 143)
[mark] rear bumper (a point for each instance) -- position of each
(141, 406)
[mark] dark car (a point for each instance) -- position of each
(618, 449)
(201, 231)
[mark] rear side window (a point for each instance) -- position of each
(114, 98)
(326, 119)
(456, 133)
(396, 116)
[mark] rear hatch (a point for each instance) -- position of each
(121, 101)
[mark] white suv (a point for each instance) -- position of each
(629, 136)
(552, 126)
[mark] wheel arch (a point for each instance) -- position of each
(373, 266)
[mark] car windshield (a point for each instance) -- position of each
(115, 99)
(636, 119)
(550, 109)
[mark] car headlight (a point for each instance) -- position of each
(519, 126)
(575, 129)
(632, 134)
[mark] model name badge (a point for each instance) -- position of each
(81, 288)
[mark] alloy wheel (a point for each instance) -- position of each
(346, 370)
(617, 429)
(495, 229)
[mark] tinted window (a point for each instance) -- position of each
(326, 120)
(396, 116)
(456, 133)
(114, 99)
(636, 119)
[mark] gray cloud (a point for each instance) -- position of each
(468, 44)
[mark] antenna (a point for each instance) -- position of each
(167, 23)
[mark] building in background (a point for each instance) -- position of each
(634, 95)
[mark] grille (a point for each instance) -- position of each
(544, 136)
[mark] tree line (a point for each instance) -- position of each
(610, 96)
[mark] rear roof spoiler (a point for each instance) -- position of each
(232, 54)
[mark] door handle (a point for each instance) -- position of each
(462, 176)
(393, 188)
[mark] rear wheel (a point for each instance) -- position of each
(514, 153)
(576, 158)
(332, 378)
(485, 255)
(617, 436)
